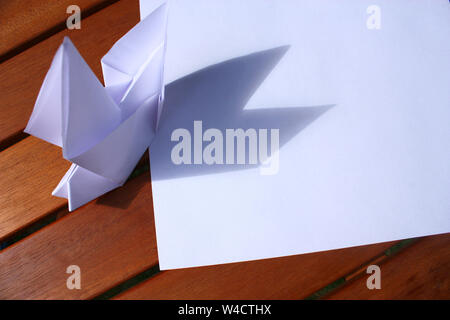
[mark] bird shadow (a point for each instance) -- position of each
(217, 95)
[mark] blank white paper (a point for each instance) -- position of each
(363, 116)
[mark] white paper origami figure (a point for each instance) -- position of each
(103, 131)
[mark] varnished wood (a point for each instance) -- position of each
(22, 21)
(292, 277)
(29, 171)
(21, 76)
(110, 239)
(422, 271)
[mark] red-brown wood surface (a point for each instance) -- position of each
(30, 170)
(21, 21)
(110, 239)
(294, 277)
(421, 271)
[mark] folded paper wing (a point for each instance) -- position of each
(103, 131)
(133, 68)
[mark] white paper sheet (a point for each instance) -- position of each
(363, 118)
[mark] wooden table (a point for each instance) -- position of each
(112, 238)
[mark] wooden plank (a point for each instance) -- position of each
(21, 76)
(111, 240)
(293, 277)
(22, 21)
(422, 271)
(30, 170)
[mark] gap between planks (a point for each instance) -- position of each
(359, 272)
(419, 272)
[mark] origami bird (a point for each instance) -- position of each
(103, 131)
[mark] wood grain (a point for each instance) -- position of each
(422, 271)
(30, 170)
(21, 77)
(21, 21)
(293, 277)
(111, 240)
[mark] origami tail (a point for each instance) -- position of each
(80, 186)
